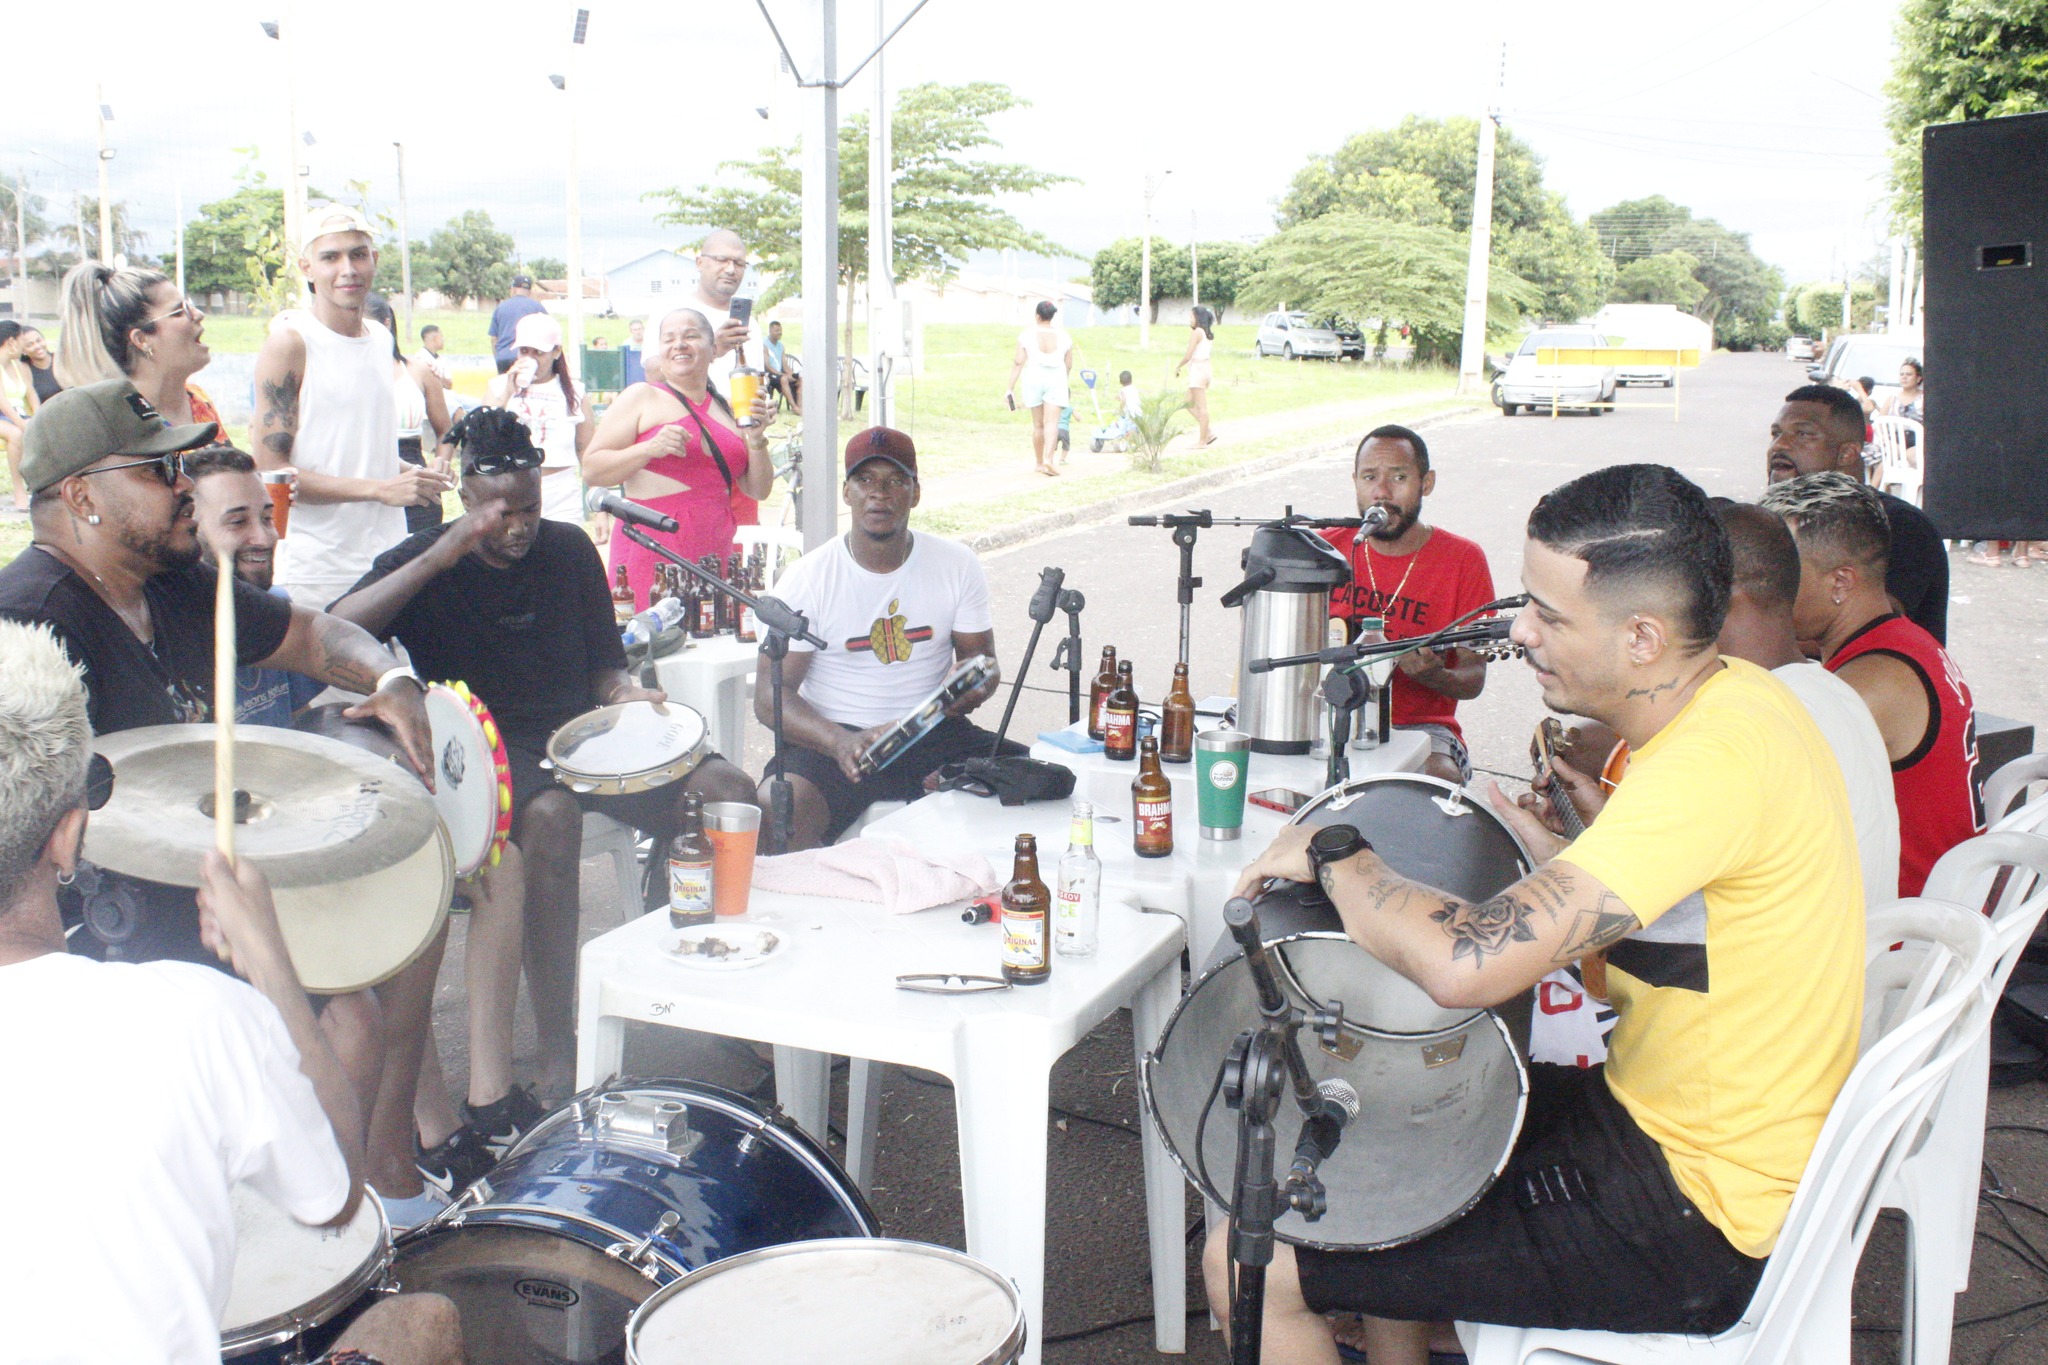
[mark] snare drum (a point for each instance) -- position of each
(860, 1301)
(296, 1288)
(1442, 1091)
(610, 1198)
(472, 780)
(634, 746)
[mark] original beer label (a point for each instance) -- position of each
(1023, 939)
(689, 891)
(1155, 819)
(1119, 729)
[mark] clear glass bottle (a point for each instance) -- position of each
(1077, 912)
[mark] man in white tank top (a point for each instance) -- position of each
(325, 407)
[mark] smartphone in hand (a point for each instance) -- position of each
(743, 311)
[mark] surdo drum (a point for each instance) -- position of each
(857, 1301)
(608, 1199)
(1441, 1091)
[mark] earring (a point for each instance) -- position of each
(67, 877)
(93, 519)
(149, 351)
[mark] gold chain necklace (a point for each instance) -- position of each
(1372, 580)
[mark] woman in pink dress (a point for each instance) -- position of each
(675, 445)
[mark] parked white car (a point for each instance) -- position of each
(1799, 348)
(1297, 334)
(1525, 384)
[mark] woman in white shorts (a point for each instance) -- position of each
(1201, 342)
(1045, 356)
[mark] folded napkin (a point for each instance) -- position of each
(892, 872)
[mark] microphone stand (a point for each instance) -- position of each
(1043, 603)
(1067, 654)
(782, 625)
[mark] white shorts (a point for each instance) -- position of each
(1036, 389)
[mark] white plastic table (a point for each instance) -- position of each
(835, 992)
(711, 677)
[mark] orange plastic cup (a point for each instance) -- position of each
(734, 829)
(278, 482)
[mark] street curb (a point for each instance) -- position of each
(1045, 523)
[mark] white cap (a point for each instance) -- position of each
(324, 220)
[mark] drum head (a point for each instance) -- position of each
(289, 1277)
(849, 1302)
(526, 1296)
(348, 935)
(631, 739)
(466, 783)
(1428, 831)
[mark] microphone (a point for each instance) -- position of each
(604, 500)
(1320, 1134)
(1374, 515)
(1045, 601)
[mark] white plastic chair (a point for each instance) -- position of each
(1901, 465)
(606, 837)
(1936, 1186)
(2011, 782)
(1933, 1003)
(778, 539)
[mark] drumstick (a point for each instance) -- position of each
(224, 709)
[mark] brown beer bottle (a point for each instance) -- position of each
(1099, 690)
(1120, 717)
(1151, 806)
(622, 596)
(1177, 720)
(703, 603)
(1027, 919)
(689, 868)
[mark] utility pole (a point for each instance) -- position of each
(20, 245)
(573, 91)
(821, 287)
(1472, 353)
(1152, 184)
(404, 246)
(280, 31)
(106, 116)
(884, 336)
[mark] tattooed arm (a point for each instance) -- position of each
(342, 654)
(1464, 954)
(274, 432)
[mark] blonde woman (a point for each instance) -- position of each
(133, 324)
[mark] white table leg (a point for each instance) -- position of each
(732, 713)
(863, 1119)
(600, 1037)
(1001, 1090)
(803, 1087)
(1165, 1197)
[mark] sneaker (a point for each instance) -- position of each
(500, 1122)
(455, 1163)
(407, 1214)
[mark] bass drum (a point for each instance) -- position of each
(606, 1200)
(1441, 1090)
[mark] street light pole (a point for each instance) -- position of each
(280, 31)
(404, 245)
(572, 91)
(821, 288)
(1194, 262)
(1152, 184)
(106, 251)
(883, 345)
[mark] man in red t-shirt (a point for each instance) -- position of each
(1417, 579)
(1913, 689)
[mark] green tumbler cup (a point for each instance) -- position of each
(1222, 765)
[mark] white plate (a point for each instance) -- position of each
(746, 946)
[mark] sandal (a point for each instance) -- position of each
(1988, 561)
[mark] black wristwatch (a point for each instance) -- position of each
(1333, 844)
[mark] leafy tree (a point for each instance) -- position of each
(35, 224)
(546, 268)
(1817, 308)
(943, 198)
(1957, 60)
(233, 237)
(467, 259)
(1740, 290)
(1354, 265)
(1154, 426)
(1664, 278)
(1224, 266)
(390, 279)
(129, 240)
(1118, 273)
(1561, 258)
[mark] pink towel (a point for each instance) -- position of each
(895, 873)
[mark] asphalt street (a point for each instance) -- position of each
(1490, 470)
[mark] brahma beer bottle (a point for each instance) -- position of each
(1098, 691)
(1151, 806)
(1027, 919)
(622, 597)
(1177, 720)
(1120, 717)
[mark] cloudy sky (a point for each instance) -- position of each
(1765, 114)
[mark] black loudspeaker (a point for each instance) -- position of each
(1985, 234)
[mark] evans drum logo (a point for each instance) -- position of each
(546, 1293)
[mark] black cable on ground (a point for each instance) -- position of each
(1084, 1333)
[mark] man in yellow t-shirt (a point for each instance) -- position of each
(1721, 879)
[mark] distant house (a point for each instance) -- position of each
(554, 295)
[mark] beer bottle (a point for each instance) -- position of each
(1099, 690)
(1027, 906)
(1177, 720)
(622, 596)
(1077, 914)
(1151, 806)
(749, 628)
(1120, 717)
(689, 868)
(728, 619)
(705, 624)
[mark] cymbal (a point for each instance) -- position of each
(319, 810)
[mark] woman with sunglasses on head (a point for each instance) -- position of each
(677, 446)
(133, 324)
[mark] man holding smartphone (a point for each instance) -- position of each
(721, 266)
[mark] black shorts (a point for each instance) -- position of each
(651, 812)
(1585, 1228)
(951, 740)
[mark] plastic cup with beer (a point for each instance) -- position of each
(279, 483)
(1222, 764)
(746, 387)
(734, 828)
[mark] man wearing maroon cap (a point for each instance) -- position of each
(896, 611)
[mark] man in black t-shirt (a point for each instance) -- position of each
(518, 608)
(1820, 429)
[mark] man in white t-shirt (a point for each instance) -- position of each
(896, 610)
(721, 266)
(325, 406)
(212, 1083)
(432, 343)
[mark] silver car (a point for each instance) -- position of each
(1297, 334)
(1525, 384)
